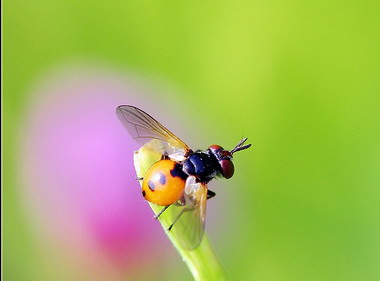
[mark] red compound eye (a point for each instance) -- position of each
(227, 168)
(214, 148)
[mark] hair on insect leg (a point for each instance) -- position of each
(162, 210)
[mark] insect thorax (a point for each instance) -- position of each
(202, 165)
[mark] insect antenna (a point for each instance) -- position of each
(240, 146)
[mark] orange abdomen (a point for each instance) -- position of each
(164, 183)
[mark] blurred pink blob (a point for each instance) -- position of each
(77, 173)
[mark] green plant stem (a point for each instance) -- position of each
(201, 261)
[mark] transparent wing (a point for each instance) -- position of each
(144, 128)
(189, 219)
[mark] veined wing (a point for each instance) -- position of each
(144, 128)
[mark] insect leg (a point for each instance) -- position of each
(160, 213)
(139, 178)
(210, 194)
(180, 202)
(164, 157)
(177, 217)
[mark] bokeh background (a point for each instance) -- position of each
(300, 79)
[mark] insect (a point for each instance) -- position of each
(180, 178)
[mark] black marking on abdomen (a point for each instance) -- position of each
(151, 185)
(177, 172)
(162, 179)
(143, 193)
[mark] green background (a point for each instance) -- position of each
(300, 79)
